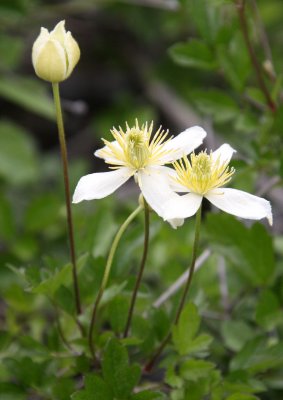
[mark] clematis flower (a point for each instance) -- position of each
(140, 153)
(204, 175)
(55, 54)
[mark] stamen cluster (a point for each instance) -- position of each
(135, 147)
(202, 173)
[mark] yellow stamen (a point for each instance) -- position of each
(201, 173)
(135, 147)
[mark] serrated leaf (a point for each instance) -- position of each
(186, 328)
(50, 285)
(95, 388)
(193, 54)
(199, 344)
(193, 370)
(116, 371)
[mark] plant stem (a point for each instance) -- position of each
(64, 156)
(141, 269)
(106, 275)
(240, 4)
(152, 361)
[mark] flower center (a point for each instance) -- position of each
(137, 148)
(202, 173)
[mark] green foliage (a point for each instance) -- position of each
(174, 62)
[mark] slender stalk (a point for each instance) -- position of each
(240, 4)
(152, 361)
(141, 269)
(64, 156)
(106, 275)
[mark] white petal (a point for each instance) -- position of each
(182, 206)
(101, 184)
(183, 144)
(176, 222)
(224, 153)
(175, 186)
(241, 204)
(155, 188)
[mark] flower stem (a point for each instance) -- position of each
(64, 156)
(106, 275)
(152, 361)
(240, 4)
(141, 269)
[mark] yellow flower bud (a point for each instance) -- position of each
(55, 54)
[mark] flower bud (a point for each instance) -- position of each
(55, 54)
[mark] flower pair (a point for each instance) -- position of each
(140, 153)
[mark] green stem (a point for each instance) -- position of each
(240, 5)
(64, 156)
(106, 275)
(141, 269)
(152, 361)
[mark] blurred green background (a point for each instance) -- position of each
(178, 63)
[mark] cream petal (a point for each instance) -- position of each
(155, 188)
(240, 204)
(50, 61)
(182, 206)
(183, 144)
(59, 32)
(101, 184)
(224, 153)
(72, 51)
(41, 39)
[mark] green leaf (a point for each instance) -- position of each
(205, 16)
(147, 395)
(118, 311)
(235, 334)
(51, 284)
(193, 54)
(199, 344)
(186, 329)
(42, 212)
(184, 334)
(18, 157)
(95, 388)
(249, 250)
(64, 298)
(216, 103)
(7, 223)
(256, 356)
(192, 370)
(117, 373)
(268, 312)
(242, 396)
(29, 93)
(234, 61)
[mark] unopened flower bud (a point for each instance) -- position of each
(55, 54)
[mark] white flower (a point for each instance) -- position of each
(55, 54)
(203, 176)
(140, 153)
